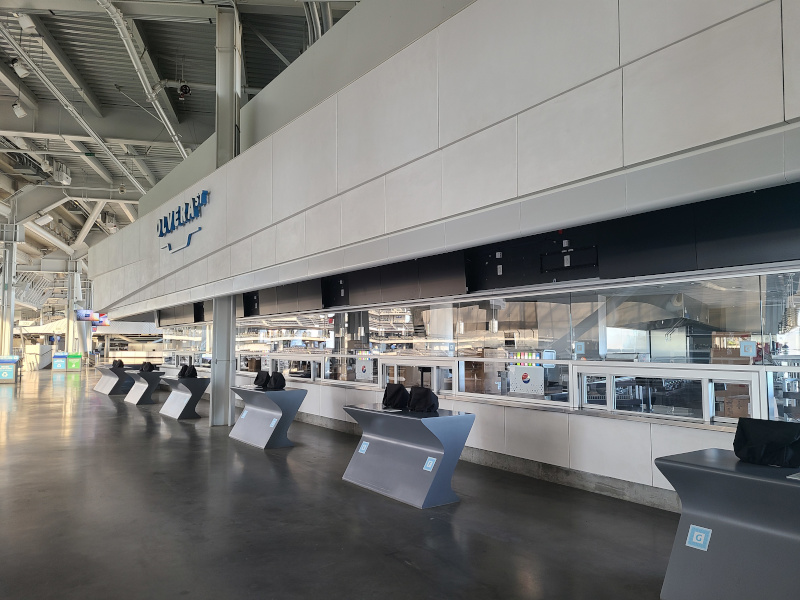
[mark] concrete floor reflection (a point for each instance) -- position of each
(100, 499)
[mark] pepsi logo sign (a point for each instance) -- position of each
(526, 378)
(363, 368)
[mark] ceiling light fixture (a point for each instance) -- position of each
(43, 220)
(20, 68)
(18, 110)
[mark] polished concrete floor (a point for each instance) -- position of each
(103, 500)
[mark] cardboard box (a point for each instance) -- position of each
(733, 407)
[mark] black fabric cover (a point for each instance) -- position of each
(182, 372)
(775, 443)
(262, 379)
(191, 372)
(423, 400)
(118, 363)
(276, 382)
(395, 396)
(147, 367)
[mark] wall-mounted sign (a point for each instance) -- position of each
(181, 217)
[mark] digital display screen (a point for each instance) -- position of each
(84, 315)
(100, 320)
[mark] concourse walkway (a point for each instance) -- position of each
(100, 500)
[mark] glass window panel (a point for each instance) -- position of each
(732, 399)
(657, 395)
(340, 369)
(786, 389)
(523, 379)
(594, 390)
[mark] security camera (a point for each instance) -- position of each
(184, 91)
(18, 110)
(122, 188)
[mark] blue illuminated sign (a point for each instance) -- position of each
(429, 464)
(181, 217)
(274, 421)
(363, 448)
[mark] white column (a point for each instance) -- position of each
(9, 274)
(228, 97)
(223, 363)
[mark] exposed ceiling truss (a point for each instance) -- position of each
(78, 111)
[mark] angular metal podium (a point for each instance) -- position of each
(114, 381)
(182, 400)
(408, 456)
(267, 416)
(739, 532)
(144, 384)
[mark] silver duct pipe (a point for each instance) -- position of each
(125, 35)
(315, 20)
(327, 16)
(70, 108)
(309, 25)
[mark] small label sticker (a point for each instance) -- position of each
(363, 448)
(580, 347)
(274, 421)
(429, 464)
(748, 348)
(243, 415)
(698, 538)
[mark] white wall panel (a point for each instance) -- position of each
(323, 226)
(499, 57)
(293, 271)
(263, 249)
(310, 403)
(414, 193)
(792, 154)
(304, 161)
(112, 247)
(290, 238)
(668, 440)
(364, 212)
(791, 58)
(573, 136)
(219, 265)
(249, 188)
(647, 25)
(589, 202)
(331, 401)
(265, 277)
(149, 247)
(611, 447)
(130, 244)
(723, 82)
(722, 170)
(241, 254)
(388, 117)
(499, 223)
(488, 432)
(538, 435)
(415, 243)
(480, 170)
(214, 219)
(329, 262)
(182, 278)
(367, 253)
(172, 261)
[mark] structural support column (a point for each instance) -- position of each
(223, 363)
(228, 85)
(9, 275)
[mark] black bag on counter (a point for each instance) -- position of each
(395, 396)
(118, 364)
(147, 367)
(775, 443)
(191, 372)
(423, 400)
(182, 372)
(262, 379)
(276, 382)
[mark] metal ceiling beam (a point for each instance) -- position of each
(115, 200)
(138, 160)
(12, 81)
(64, 64)
(48, 237)
(128, 212)
(167, 10)
(147, 59)
(269, 45)
(92, 161)
(133, 53)
(90, 221)
(44, 135)
(66, 104)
